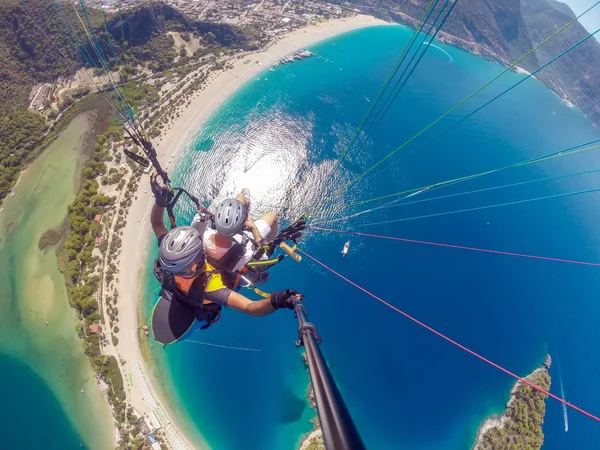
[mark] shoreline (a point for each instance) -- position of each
(143, 394)
(50, 347)
(226, 83)
(502, 420)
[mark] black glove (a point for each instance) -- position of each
(162, 195)
(285, 299)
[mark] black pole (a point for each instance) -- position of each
(339, 431)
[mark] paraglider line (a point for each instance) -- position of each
(223, 346)
(478, 208)
(460, 247)
(384, 87)
(453, 342)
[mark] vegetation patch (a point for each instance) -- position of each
(521, 427)
(51, 237)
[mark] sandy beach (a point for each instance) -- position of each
(141, 394)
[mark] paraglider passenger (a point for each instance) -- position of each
(190, 285)
(232, 225)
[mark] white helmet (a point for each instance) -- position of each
(230, 217)
(181, 250)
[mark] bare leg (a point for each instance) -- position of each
(271, 219)
(242, 198)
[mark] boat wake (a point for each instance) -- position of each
(441, 50)
(562, 395)
(565, 415)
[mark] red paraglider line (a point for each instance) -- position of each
(453, 342)
(461, 247)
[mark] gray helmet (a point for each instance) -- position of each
(180, 250)
(230, 217)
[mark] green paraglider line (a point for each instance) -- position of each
(507, 90)
(394, 204)
(321, 207)
(431, 39)
(558, 154)
(497, 205)
(382, 89)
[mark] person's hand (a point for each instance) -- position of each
(246, 193)
(161, 192)
(285, 299)
(255, 233)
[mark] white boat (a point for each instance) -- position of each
(346, 248)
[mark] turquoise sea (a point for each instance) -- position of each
(48, 391)
(28, 400)
(279, 135)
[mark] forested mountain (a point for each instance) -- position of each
(504, 30)
(41, 41)
(577, 74)
(35, 39)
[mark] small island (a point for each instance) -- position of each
(520, 426)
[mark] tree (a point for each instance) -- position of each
(88, 306)
(210, 37)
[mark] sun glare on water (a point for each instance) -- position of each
(271, 157)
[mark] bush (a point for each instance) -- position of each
(91, 346)
(116, 329)
(111, 372)
(115, 340)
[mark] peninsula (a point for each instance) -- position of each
(520, 425)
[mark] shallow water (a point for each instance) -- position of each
(405, 387)
(43, 366)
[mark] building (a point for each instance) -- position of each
(148, 425)
(40, 97)
(153, 442)
(98, 218)
(154, 421)
(95, 328)
(144, 429)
